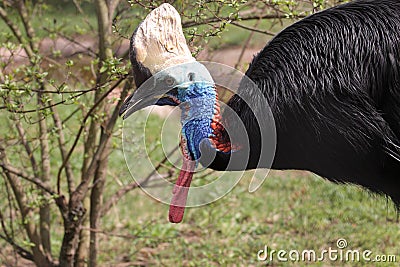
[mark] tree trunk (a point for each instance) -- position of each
(73, 216)
(82, 254)
(104, 10)
(44, 210)
(96, 202)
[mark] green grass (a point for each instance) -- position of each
(292, 210)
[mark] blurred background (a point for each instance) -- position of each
(66, 194)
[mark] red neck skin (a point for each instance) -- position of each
(219, 139)
(181, 188)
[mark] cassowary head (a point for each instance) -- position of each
(167, 74)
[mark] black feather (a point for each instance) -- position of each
(332, 81)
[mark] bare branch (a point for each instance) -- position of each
(27, 147)
(44, 210)
(15, 30)
(8, 168)
(80, 10)
(89, 50)
(55, 92)
(253, 29)
(112, 5)
(192, 23)
(246, 45)
(63, 150)
(46, 107)
(129, 187)
(40, 257)
(20, 250)
(10, 240)
(26, 21)
(83, 126)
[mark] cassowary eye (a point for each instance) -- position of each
(191, 76)
(169, 81)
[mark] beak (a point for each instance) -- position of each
(153, 89)
(146, 95)
(137, 101)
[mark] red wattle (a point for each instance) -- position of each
(180, 191)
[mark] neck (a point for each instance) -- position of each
(201, 121)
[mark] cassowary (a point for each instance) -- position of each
(331, 81)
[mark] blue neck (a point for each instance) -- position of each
(197, 114)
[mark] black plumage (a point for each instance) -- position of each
(332, 81)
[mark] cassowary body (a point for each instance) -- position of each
(332, 82)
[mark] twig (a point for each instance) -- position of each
(15, 30)
(82, 127)
(10, 169)
(193, 23)
(20, 250)
(6, 237)
(45, 107)
(28, 150)
(122, 191)
(126, 236)
(252, 29)
(144, 6)
(78, 7)
(70, 115)
(247, 42)
(55, 92)
(88, 49)
(63, 150)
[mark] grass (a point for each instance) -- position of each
(292, 210)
